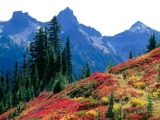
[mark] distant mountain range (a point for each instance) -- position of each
(134, 39)
(87, 44)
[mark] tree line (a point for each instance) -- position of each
(48, 67)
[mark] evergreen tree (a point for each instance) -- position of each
(130, 54)
(69, 60)
(37, 54)
(139, 54)
(88, 70)
(60, 83)
(64, 64)
(110, 113)
(109, 66)
(10, 99)
(152, 43)
(56, 41)
(47, 51)
(54, 36)
(36, 82)
(16, 77)
(24, 63)
(83, 72)
(2, 107)
(52, 59)
(2, 92)
(149, 106)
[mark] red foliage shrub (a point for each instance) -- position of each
(95, 76)
(157, 85)
(133, 110)
(3, 118)
(133, 117)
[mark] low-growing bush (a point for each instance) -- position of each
(140, 85)
(81, 113)
(137, 102)
(92, 112)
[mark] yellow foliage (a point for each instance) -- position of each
(126, 106)
(104, 99)
(132, 78)
(137, 102)
(155, 94)
(67, 117)
(79, 98)
(92, 112)
(116, 107)
(140, 85)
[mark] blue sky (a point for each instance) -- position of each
(107, 16)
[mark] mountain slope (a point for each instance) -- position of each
(86, 43)
(132, 81)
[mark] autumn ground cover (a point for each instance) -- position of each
(132, 81)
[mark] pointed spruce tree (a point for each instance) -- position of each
(110, 112)
(152, 43)
(88, 70)
(69, 61)
(130, 54)
(64, 64)
(54, 37)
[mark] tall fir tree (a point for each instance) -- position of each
(152, 43)
(69, 61)
(110, 112)
(130, 54)
(54, 37)
(64, 64)
(16, 77)
(88, 70)
(150, 106)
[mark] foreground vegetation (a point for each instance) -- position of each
(130, 91)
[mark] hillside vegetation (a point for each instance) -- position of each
(135, 85)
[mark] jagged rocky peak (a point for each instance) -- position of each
(139, 27)
(20, 16)
(67, 19)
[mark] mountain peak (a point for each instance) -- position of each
(67, 19)
(139, 27)
(68, 10)
(20, 16)
(19, 21)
